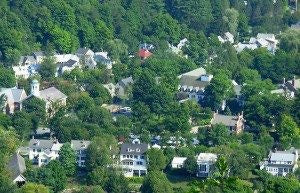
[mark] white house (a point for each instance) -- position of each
(178, 162)
(52, 96)
(66, 62)
(17, 167)
(80, 148)
(288, 89)
(193, 83)
(206, 162)
(42, 151)
(133, 159)
(228, 37)
(281, 163)
(13, 99)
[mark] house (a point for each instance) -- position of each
(122, 86)
(193, 83)
(133, 159)
(80, 148)
(104, 59)
(236, 124)
(13, 99)
(144, 51)
(178, 49)
(206, 162)
(281, 163)
(178, 162)
(288, 89)
(42, 132)
(42, 151)
(67, 66)
(52, 96)
(262, 40)
(17, 167)
(228, 37)
(111, 89)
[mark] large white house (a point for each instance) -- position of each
(80, 148)
(52, 96)
(206, 162)
(133, 159)
(281, 163)
(178, 162)
(42, 151)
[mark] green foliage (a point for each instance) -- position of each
(156, 182)
(190, 165)
(22, 123)
(67, 158)
(36, 108)
(47, 68)
(157, 160)
(7, 77)
(34, 188)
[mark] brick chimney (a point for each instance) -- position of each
(293, 81)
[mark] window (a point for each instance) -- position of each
(135, 156)
(124, 156)
(142, 156)
(131, 156)
(202, 168)
(131, 163)
(127, 156)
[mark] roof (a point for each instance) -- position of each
(144, 53)
(196, 73)
(79, 144)
(193, 81)
(283, 156)
(265, 36)
(237, 89)
(44, 143)
(82, 51)
(126, 81)
(13, 94)
(134, 149)
(69, 63)
(16, 165)
(40, 53)
(207, 157)
(224, 119)
(52, 94)
(42, 131)
(27, 59)
(178, 160)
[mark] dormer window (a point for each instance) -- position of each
(137, 150)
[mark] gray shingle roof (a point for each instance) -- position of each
(193, 81)
(79, 144)
(52, 94)
(41, 143)
(224, 119)
(16, 165)
(282, 156)
(126, 81)
(82, 51)
(69, 63)
(134, 149)
(28, 59)
(13, 94)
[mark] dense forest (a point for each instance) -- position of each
(119, 27)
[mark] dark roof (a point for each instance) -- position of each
(192, 81)
(16, 165)
(134, 149)
(69, 63)
(82, 51)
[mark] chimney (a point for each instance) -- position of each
(283, 80)
(293, 81)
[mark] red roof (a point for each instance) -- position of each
(144, 53)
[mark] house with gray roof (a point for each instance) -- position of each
(80, 148)
(235, 124)
(193, 83)
(52, 97)
(133, 161)
(42, 151)
(281, 163)
(288, 89)
(17, 167)
(123, 86)
(13, 99)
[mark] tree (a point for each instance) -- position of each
(190, 165)
(116, 183)
(157, 160)
(34, 188)
(99, 176)
(100, 152)
(290, 41)
(7, 77)
(47, 68)
(219, 135)
(36, 108)
(156, 182)
(231, 19)
(220, 89)
(22, 124)
(67, 157)
(288, 130)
